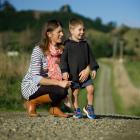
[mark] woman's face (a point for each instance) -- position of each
(56, 35)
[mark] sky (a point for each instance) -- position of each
(120, 11)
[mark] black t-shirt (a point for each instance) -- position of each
(76, 57)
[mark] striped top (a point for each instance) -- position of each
(36, 71)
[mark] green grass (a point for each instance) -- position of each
(82, 98)
(118, 103)
(10, 95)
(133, 70)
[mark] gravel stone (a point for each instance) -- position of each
(18, 126)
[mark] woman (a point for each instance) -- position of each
(36, 87)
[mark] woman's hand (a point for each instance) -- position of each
(65, 75)
(84, 74)
(64, 84)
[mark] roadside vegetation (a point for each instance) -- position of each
(118, 100)
(133, 69)
(20, 31)
(11, 72)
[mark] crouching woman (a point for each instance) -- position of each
(36, 87)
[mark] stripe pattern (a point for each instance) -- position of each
(37, 69)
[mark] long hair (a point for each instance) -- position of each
(50, 26)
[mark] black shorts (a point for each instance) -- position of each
(56, 93)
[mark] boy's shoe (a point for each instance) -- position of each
(78, 114)
(89, 110)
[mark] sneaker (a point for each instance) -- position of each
(89, 110)
(78, 114)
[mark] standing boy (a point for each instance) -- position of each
(76, 64)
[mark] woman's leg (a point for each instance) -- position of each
(54, 96)
(32, 103)
(57, 94)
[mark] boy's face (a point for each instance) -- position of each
(78, 32)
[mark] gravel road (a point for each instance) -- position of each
(17, 126)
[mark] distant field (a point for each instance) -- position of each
(11, 73)
(133, 69)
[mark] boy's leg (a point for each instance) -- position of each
(77, 113)
(89, 110)
(90, 94)
(75, 98)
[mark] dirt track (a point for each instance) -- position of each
(103, 100)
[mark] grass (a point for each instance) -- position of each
(115, 95)
(133, 70)
(11, 72)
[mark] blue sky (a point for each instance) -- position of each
(120, 11)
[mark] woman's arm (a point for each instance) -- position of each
(45, 81)
(36, 61)
(36, 64)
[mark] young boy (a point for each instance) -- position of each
(76, 63)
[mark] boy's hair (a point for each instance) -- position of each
(74, 22)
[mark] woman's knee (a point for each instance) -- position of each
(59, 94)
(64, 92)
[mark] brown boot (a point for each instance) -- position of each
(56, 111)
(31, 104)
(31, 109)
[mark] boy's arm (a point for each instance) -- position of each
(84, 74)
(64, 61)
(93, 73)
(92, 61)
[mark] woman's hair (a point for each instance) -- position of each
(50, 26)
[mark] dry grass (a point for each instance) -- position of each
(15, 65)
(128, 92)
(12, 70)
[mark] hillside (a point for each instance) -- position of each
(132, 38)
(34, 19)
(20, 30)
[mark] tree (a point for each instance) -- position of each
(7, 6)
(111, 25)
(66, 8)
(98, 21)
